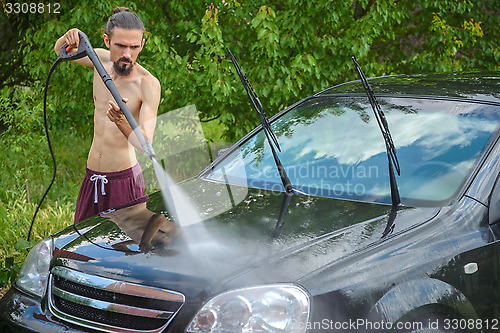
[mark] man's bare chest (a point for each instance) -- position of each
(128, 88)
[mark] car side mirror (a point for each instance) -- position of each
(494, 206)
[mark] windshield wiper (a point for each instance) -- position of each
(389, 147)
(384, 128)
(271, 139)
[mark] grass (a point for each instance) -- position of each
(25, 173)
(15, 226)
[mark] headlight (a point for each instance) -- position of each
(264, 309)
(35, 271)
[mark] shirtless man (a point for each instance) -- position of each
(113, 175)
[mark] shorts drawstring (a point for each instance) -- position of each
(94, 179)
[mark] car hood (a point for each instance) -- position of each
(231, 242)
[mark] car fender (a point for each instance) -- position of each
(401, 302)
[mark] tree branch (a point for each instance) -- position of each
(360, 12)
(165, 12)
(208, 120)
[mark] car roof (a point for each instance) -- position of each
(482, 87)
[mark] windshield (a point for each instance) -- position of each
(333, 147)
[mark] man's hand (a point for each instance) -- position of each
(114, 112)
(72, 38)
(116, 115)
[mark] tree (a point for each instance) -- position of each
(288, 49)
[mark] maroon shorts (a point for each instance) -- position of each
(101, 191)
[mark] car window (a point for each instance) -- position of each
(332, 146)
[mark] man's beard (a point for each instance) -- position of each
(123, 70)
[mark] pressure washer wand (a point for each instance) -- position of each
(86, 49)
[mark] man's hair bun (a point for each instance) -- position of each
(120, 9)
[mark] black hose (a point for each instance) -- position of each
(54, 65)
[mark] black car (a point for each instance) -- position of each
(347, 249)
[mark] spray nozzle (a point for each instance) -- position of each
(82, 51)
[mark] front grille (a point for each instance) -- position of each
(110, 305)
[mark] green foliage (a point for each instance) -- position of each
(288, 49)
(8, 271)
(27, 167)
(15, 219)
(25, 173)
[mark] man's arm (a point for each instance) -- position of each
(73, 40)
(151, 92)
